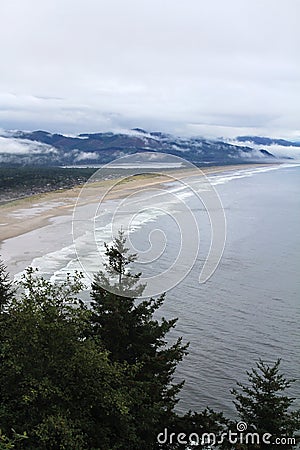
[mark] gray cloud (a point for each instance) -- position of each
(280, 151)
(83, 156)
(210, 68)
(14, 146)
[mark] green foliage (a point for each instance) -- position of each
(263, 407)
(7, 443)
(131, 334)
(6, 287)
(195, 426)
(18, 182)
(74, 377)
(55, 383)
(117, 277)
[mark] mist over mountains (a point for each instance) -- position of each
(47, 149)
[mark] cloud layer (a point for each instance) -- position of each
(280, 151)
(209, 68)
(14, 146)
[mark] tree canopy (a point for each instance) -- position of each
(56, 383)
(130, 332)
(101, 376)
(262, 405)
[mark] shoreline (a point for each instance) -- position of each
(30, 213)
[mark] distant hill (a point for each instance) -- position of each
(267, 141)
(44, 148)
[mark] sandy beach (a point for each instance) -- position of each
(24, 215)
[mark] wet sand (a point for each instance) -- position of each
(24, 215)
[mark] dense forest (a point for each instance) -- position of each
(23, 181)
(100, 375)
(18, 182)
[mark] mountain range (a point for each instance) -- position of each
(48, 149)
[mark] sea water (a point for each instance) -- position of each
(248, 309)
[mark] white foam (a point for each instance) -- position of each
(55, 265)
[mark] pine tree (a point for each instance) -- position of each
(263, 408)
(6, 287)
(56, 384)
(132, 335)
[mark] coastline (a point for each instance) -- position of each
(24, 215)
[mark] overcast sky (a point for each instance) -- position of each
(193, 67)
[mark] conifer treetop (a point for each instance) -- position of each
(117, 277)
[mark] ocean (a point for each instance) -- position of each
(249, 307)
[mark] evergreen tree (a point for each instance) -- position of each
(131, 334)
(10, 443)
(6, 287)
(262, 406)
(55, 383)
(199, 430)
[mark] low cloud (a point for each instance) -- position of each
(83, 156)
(14, 146)
(280, 151)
